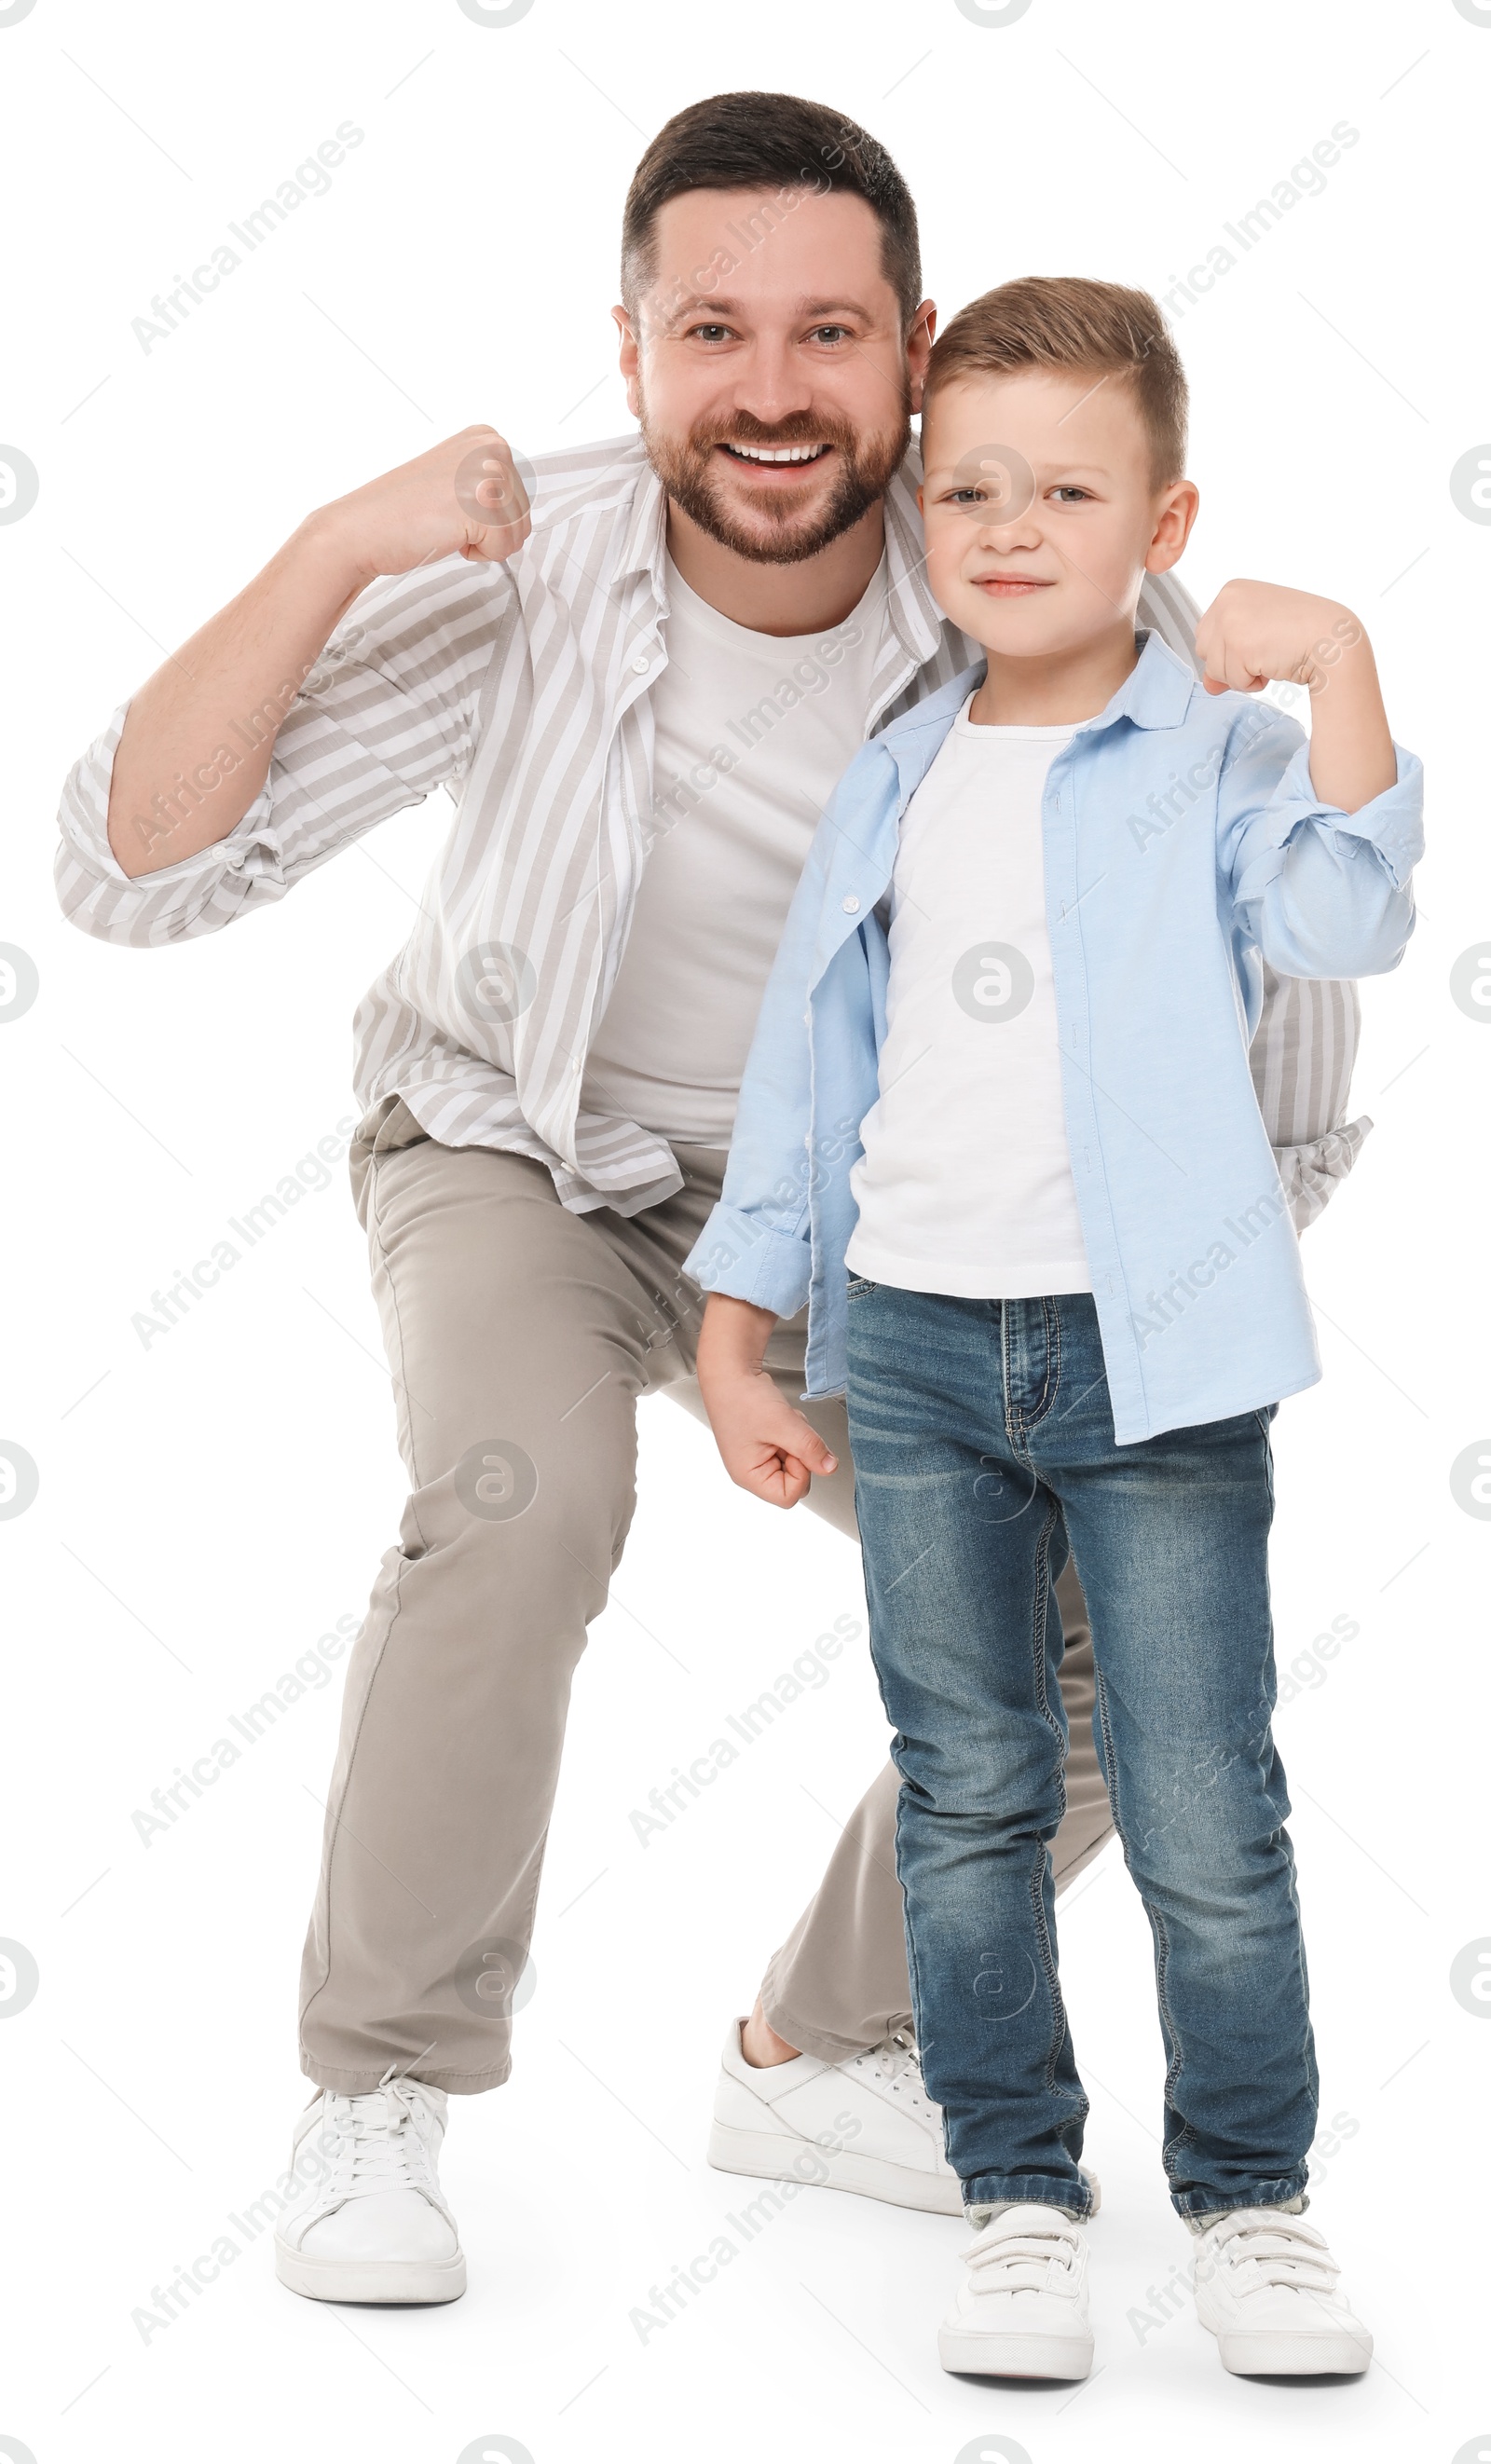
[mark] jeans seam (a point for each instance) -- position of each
(1052, 1386)
(1042, 1609)
(1051, 1381)
(1185, 2137)
(1042, 1931)
(913, 1977)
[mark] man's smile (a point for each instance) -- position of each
(776, 457)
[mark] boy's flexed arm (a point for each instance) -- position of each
(1320, 857)
(1257, 633)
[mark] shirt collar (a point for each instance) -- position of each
(642, 543)
(1156, 692)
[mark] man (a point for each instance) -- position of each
(640, 693)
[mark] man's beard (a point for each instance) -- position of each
(787, 536)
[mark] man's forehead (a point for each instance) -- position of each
(740, 244)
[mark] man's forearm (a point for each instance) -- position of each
(198, 736)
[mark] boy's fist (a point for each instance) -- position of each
(1255, 634)
(764, 1444)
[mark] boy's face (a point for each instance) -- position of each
(1041, 512)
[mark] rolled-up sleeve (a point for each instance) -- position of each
(1323, 891)
(387, 714)
(754, 1261)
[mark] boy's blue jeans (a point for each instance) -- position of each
(983, 1444)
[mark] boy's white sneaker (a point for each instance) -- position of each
(865, 2124)
(1266, 2285)
(373, 2226)
(1021, 2311)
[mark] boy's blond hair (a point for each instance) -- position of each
(1067, 322)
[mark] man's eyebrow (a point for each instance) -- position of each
(721, 306)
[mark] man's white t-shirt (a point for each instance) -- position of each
(789, 714)
(965, 1185)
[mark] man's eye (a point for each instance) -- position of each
(830, 334)
(710, 333)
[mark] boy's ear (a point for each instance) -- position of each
(1178, 506)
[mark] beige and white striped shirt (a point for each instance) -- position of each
(525, 689)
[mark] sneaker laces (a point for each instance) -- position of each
(1021, 2260)
(897, 2063)
(377, 2144)
(1277, 2251)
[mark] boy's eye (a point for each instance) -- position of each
(1072, 496)
(963, 498)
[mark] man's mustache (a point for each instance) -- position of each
(800, 427)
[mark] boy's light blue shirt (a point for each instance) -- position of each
(1183, 840)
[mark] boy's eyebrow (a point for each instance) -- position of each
(935, 470)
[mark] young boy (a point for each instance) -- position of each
(1054, 1272)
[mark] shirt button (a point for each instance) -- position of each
(641, 664)
(851, 905)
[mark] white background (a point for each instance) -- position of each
(209, 1507)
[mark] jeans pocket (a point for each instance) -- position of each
(858, 1286)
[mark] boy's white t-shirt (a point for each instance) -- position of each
(671, 1047)
(965, 1185)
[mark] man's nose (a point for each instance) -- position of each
(773, 386)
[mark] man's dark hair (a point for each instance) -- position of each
(776, 142)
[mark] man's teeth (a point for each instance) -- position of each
(781, 454)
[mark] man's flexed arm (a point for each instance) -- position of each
(233, 680)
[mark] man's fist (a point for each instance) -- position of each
(463, 497)
(1255, 633)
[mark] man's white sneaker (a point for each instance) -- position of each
(372, 2226)
(866, 2125)
(1021, 2311)
(1266, 2285)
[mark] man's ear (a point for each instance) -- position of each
(1178, 506)
(629, 359)
(919, 348)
